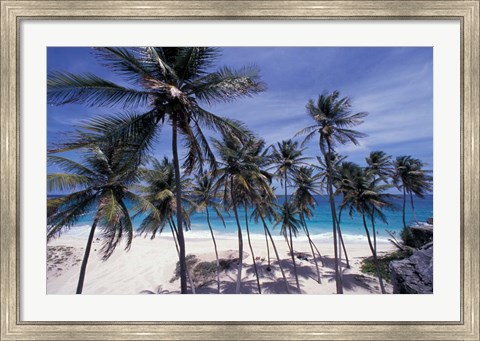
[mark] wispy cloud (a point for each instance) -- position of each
(394, 85)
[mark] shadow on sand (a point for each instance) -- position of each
(273, 283)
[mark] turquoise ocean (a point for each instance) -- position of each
(320, 225)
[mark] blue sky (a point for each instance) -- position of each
(393, 84)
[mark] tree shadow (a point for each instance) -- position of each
(158, 291)
(272, 282)
(353, 281)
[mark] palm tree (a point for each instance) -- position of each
(245, 207)
(336, 164)
(410, 177)
(290, 225)
(303, 198)
(265, 208)
(204, 194)
(333, 118)
(159, 191)
(362, 194)
(344, 171)
(286, 158)
(168, 83)
(240, 174)
(99, 183)
(378, 164)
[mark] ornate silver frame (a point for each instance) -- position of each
(13, 12)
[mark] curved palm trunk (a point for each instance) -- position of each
(373, 226)
(83, 268)
(216, 251)
(341, 238)
(173, 228)
(174, 236)
(403, 207)
(251, 250)
(181, 239)
(276, 254)
(338, 279)
(240, 241)
(413, 207)
(310, 242)
(374, 234)
(374, 254)
(268, 248)
(293, 261)
(291, 239)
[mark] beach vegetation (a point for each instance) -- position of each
(369, 266)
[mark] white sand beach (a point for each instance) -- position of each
(148, 267)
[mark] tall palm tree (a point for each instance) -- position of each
(240, 174)
(333, 118)
(100, 183)
(204, 194)
(265, 209)
(364, 195)
(379, 165)
(303, 198)
(158, 189)
(168, 83)
(245, 207)
(410, 177)
(290, 225)
(343, 172)
(286, 157)
(336, 165)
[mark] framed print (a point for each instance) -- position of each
(289, 166)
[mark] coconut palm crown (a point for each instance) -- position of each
(99, 182)
(333, 119)
(379, 164)
(363, 195)
(410, 177)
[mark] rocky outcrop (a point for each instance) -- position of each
(422, 234)
(413, 275)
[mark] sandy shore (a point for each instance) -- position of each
(148, 268)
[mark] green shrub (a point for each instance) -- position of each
(191, 260)
(368, 265)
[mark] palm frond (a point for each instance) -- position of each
(71, 166)
(194, 62)
(226, 84)
(64, 212)
(67, 182)
(130, 63)
(86, 88)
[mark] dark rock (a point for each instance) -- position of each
(422, 234)
(430, 221)
(413, 275)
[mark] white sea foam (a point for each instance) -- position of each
(321, 237)
(82, 231)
